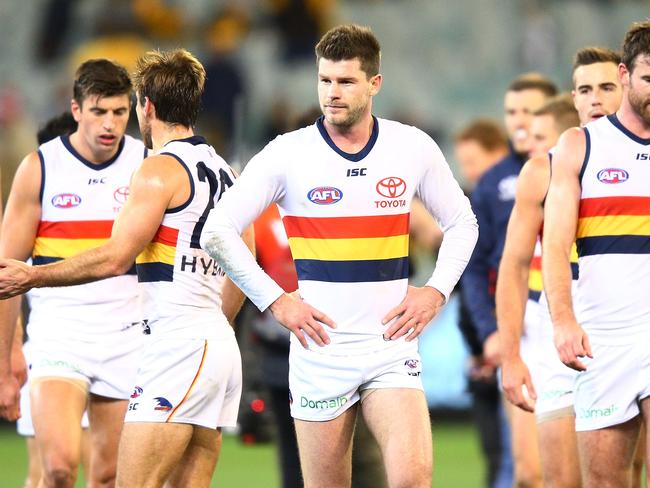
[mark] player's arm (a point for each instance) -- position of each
(232, 298)
(560, 224)
(259, 185)
(19, 227)
(512, 282)
(151, 191)
(445, 201)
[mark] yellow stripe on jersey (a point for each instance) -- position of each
(614, 225)
(372, 248)
(156, 252)
(535, 280)
(63, 248)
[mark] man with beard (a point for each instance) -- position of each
(344, 187)
(599, 197)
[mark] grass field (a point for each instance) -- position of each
(456, 452)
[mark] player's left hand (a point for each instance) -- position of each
(15, 278)
(18, 365)
(417, 309)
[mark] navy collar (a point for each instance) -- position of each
(194, 140)
(65, 139)
(356, 157)
(617, 123)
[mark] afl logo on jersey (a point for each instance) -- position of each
(612, 175)
(66, 200)
(391, 187)
(324, 195)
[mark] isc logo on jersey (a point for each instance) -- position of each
(66, 200)
(612, 175)
(324, 195)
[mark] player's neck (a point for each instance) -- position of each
(354, 138)
(86, 151)
(632, 121)
(162, 133)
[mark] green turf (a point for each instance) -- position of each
(457, 460)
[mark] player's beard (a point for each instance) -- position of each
(145, 131)
(640, 105)
(354, 115)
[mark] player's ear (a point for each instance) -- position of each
(75, 109)
(623, 74)
(149, 109)
(375, 84)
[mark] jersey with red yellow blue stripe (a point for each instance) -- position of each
(347, 220)
(177, 277)
(613, 232)
(79, 202)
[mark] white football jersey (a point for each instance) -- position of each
(613, 235)
(79, 202)
(347, 220)
(178, 278)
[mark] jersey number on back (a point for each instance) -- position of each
(217, 185)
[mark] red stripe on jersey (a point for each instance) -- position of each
(77, 229)
(346, 227)
(604, 206)
(536, 263)
(166, 235)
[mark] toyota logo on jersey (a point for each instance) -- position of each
(121, 194)
(391, 187)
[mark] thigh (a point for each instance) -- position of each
(606, 454)
(525, 452)
(106, 416)
(559, 452)
(399, 420)
(57, 407)
(149, 452)
(325, 450)
(197, 465)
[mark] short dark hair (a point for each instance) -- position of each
(100, 77)
(533, 81)
(486, 132)
(563, 111)
(348, 42)
(173, 81)
(592, 54)
(636, 42)
(57, 126)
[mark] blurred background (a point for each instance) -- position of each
(444, 65)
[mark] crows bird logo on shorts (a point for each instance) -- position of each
(162, 404)
(324, 195)
(612, 175)
(137, 391)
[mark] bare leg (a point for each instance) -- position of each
(34, 463)
(639, 459)
(606, 455)
(559, 453)
(199, 460)
(57, 407)
(106, 416)
(149, 451)
(399, 420)
(326, 450)
(525, 450)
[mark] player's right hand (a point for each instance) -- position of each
(572, 343)
(9, 397)
(301, 318)
(15, 278)
(514, 377)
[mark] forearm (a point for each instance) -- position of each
(511, 300)
(557, 283)
(92, 265)
(9, 311)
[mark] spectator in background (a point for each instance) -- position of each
(492, 201)
(479, 146)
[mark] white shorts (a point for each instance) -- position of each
(323, 386)
(616, 379)
(107, 366)
(554, 382)
(188, 381)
